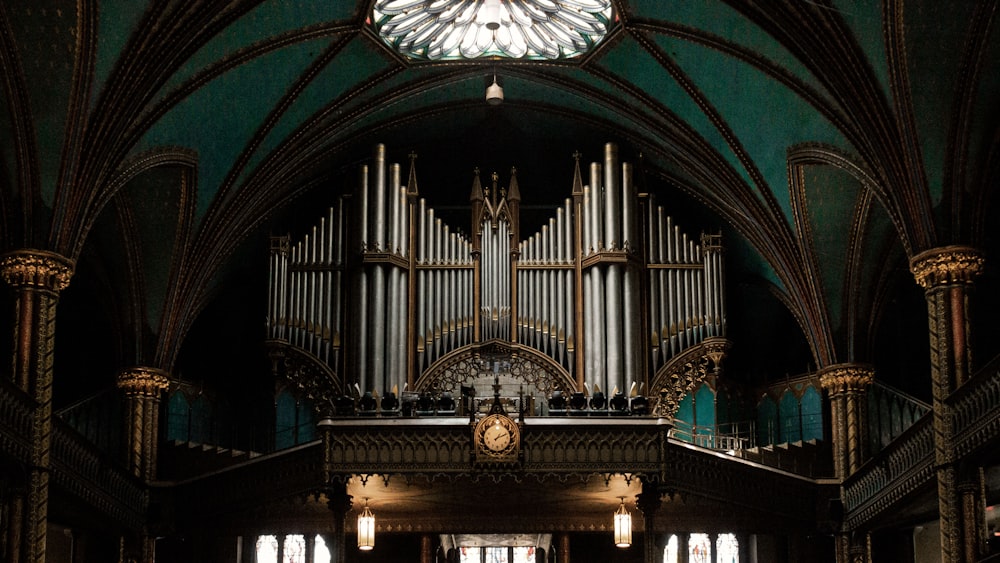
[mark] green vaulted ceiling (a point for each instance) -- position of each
(159, 144)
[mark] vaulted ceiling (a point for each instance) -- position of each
(159, 145)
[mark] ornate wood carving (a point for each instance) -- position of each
(899, 470)
(684, 372)
(526, 364)
(976, 410)
(310, 375)
(76, 466)
(81, 470)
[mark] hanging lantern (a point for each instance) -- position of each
(494, 93)
(623, 526)
(366, 529)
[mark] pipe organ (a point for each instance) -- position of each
(609, 289)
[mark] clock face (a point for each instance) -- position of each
(497, 437)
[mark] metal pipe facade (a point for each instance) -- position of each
(618, 280)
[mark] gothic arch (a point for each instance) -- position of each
(526, 364)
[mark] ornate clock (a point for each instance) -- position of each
(497, 439)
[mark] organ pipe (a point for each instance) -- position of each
(606, 288)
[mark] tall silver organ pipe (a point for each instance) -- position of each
(685, 285)
(495, 263)
(597, 274)
(305, 306)
(443, 297)
(545, 293)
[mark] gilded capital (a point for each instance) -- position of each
(842, 378)
(946, 265)
(143, 381)
(37, 269)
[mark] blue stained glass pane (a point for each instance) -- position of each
(812, 414)
(285, 420)
(177, 417)
(791, 429)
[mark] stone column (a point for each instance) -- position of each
(339, 503)
(37, 277)
(744, 546)
(248, 549)
(563, 550)
(683, 554)
(861, 550)
(310, 553)
(143, 387)
(946, 274)
(973, 494)
(426, 549)
(12, 497)
(847, 386)
(648, 501)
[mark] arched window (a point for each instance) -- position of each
(322, 552)
(685, 418)
(767, 416)
(285, 415)
(704, 416)
(178, 417)
(523, 555)
(699, 548)
(306, 425)
(670, 551)
(728, 548)
(267, 549)
(294, 549)
(791, 418)
(293, 421)
(201, 420)
(812, 414)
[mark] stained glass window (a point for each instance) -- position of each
(468, 555)
(295, 549)
(468, 29)
(178, 417)
(496, 554)
(523, 555)
(322, 552)
(267, 549)
(728, 548)
(699, 548)
(670, 552)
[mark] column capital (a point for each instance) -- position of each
(842, 378)
(946, 265)
(143, 381)
(36, 269)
